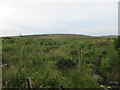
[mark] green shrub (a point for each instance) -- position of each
(65, 64)
(17, 81)
(117, 43)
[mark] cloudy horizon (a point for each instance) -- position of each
(89, 18)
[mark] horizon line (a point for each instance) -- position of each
(58, 34)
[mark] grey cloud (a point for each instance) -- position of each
(28, 18)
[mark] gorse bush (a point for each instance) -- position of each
(65, 64)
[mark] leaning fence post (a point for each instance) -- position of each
(61, 87)
(29, 83)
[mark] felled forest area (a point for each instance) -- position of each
(55, 61)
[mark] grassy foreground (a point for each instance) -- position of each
(51, 61)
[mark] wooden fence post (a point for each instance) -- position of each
(79, 60)
(29, 83)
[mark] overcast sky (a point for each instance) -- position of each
(34, 17)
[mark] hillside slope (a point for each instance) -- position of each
(52, 60)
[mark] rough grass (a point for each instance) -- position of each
(37, 57)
